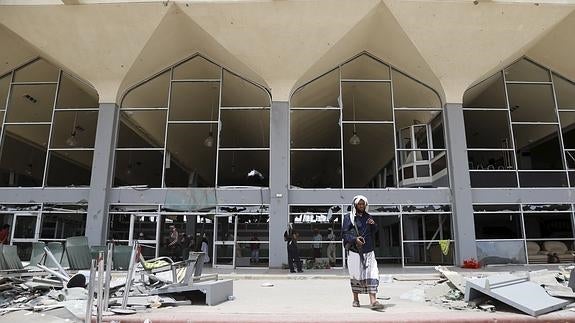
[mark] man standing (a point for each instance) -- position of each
(317, 244)
(255, 248)
(173, 242)
(358, 231)
(290, 236)
(331, 247)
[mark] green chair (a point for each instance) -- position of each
(78, 251)
(57, 250)
(95, 250)
(10, 255)
(121, 257)
(37, 253)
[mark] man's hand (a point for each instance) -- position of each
(360, 241)
(370, 221)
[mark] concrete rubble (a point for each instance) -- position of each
(450, 291)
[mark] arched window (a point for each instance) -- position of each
(365, 124)
(49, 127)
(519, 127)
(196, 124)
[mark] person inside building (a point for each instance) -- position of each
(290, 236)
(255, 248)
(174, 242)
(331, 247)
(317, 244)
(358, 236)
(205, 249)
(185, 243)
(5, 234)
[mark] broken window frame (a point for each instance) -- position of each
(216, 120)
(49, 150)
(565, 176)
(377, 179)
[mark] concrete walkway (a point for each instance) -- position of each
(325, 296)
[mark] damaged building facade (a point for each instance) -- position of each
(231, 120)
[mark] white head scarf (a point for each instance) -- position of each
(356, 200)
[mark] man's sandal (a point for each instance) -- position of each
(355, 304)
(377, 306)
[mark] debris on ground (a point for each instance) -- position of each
(81, 296)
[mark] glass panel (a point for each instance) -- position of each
(365, 67)
(151, 94)
(191, 160)
(376, 141)
(490, 93)
(548, 251)
(237, 92)
(487, 129)
(501, 252)
(252, 254)
(195, 101)
(548, 225)
(547, 207)
(197, 68)
(366, 101)
(542, 179)
(24, 155)
(62, 226)
(426, 208)
(225, 228)
(570, 156)
(74, 129)
(315, 169)
(427, 254)
(31, 103)
(69, 168)
(245, 128)
(119, 228)
(224, 254)
(315, 129)
(4, 88)
(408, 93)
(25, 227)
(498, 226)
(145, 227)
(323, 92)
(493, 179)
(491, 160)
(138, 168)
(243, 168)
(568, 129)
(537, 146)
(565, 91)
(531, 103)
(38, 71)
(427, 227)
(74, 94)
(526, 71)
(250, 226)
(142, 129)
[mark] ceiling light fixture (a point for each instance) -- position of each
(209, 141)
(354, 140)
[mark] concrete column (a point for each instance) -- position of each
(102, 167)
(463, 222)
(279, 182)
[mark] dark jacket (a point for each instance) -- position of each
(367, 231)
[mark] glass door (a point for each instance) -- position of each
(225, 228)
(25, 228)
(145, 228)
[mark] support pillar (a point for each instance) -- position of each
(463, 221)
(279, 182)
(102, 167)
